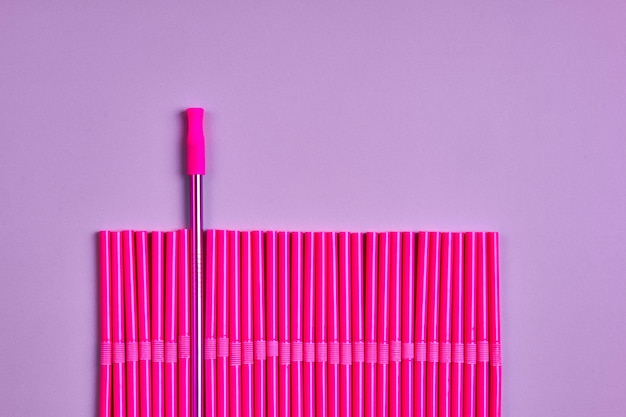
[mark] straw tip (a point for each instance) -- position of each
(195, 141)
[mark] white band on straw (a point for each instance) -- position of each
(358, 352)
(345, 353)
(144, 350)
(184, 347)
(420, 352)
(272, 348)
(321, 352)
(171, 352)
(482, 351)
(495, 352)
(158, 351)
(395, 351)
(296, 351)
(458, 352)
(210, 348)
(383, 353)
(333, 353)
(408, 351)
(371, 352)
(132, 352)
(260, 350)
(119, 352)
(308, 352)
(247, 352)
(470, 353)
(445, 352)
(105, 353)
(284, 353)
(235, 353)
(222, 347)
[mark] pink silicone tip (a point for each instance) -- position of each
(195, 141)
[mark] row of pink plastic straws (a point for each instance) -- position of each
(145, 331)
(303, 324)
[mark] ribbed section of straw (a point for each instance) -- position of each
(321, 352)
(119, 352)
(345, 353)
(132, 352)
(470, 353)
(420, 352)
(308, 352)
(210, 348)
(171, 352)
(495, 352)
(395, 351)
(247, 352)
(145, 350)
(482, 351)
(458, 352)
(158, 351)
(371, 352)
(272, 348)
(296, 351)
(333, 353)
(184, 347)
(235, 353)
(105, 353)
(284, 353)
(222, 347)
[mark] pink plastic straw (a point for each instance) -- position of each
(382, 368)
(247, 331)
(258, 293)
(432, 335)
(469, 326)
(495, 350)
(345, 324)
(358, 324)
(210, 342)
(117, 322)
(482, 330)
(234, 281)
(171, 266)
(106, 371)
(157, 299)
(445, 324)
(143, 309)
(258, 282)
(395, 324)
(308, 327)
(321, 324)
(421, 295)
(456, 379)
(271, 322)
(130, 311)
(296, 324)
(222, 342)
(184, 325)
(332, 295)
(371, 298)
(284, 346)
(408, 322)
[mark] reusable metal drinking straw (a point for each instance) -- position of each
(195, 170)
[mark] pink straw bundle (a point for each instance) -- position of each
(303, 324)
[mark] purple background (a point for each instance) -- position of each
(500, 115)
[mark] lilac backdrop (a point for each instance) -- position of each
(502, 115)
